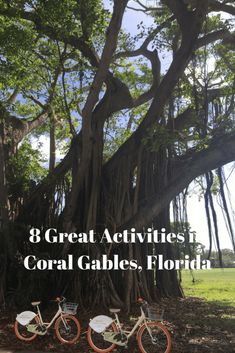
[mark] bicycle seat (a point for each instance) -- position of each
(35, 303)
(113, 311)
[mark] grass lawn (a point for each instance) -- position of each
(215, 285)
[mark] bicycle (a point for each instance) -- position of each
(29, 325)
(105, 333)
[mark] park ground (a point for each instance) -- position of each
(203, 321)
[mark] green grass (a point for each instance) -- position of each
(215, 285)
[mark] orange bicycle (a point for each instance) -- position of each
(105, 333)
(29, 325)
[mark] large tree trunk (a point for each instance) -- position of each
(109, 203)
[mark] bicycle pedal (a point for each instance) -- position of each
(34, 328)
(116, 338)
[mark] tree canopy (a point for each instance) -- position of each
(136, 117)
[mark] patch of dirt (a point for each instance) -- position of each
(196, 326)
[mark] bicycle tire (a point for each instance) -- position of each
(93, 336)
(22, 333)
(64, 335)
(161, 342)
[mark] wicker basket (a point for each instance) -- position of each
(153, 314)
(70, 308)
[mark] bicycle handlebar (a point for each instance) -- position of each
(62, 299)
(142, 301)
(59, 299)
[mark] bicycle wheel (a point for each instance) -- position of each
(67, 328)
(22, 333)
(153, 337)
(97, 342)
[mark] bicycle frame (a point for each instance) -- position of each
(141, 319)
(49, 324)
(114, 332)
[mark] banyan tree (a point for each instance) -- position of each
(131, 119)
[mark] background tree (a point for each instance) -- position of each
(135, 131)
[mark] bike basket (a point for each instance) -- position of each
(70, 308)
(153, 314)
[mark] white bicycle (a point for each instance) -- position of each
(105, 333)
(29, 325)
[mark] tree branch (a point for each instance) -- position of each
(218, 6)
(215, 6)
(144, 8)
(222, 34)
(13, 96)
(183, 120)
(156, 72)
(163, 92)
(35, 100)
(221, 151)
(22, 127)
(106, 57)
(180, 11)
(147, 41)
(51, 32)
(109, 104)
